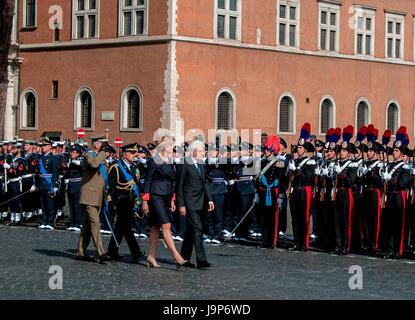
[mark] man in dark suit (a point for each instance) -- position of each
(191, 194)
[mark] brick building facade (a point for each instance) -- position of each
(133, 66)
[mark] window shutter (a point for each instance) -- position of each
(326, 115)
(30, 110)
(133, 110)
(362, 114)
(225, 112)
(286, 115)
(393, 117)
(86, 110)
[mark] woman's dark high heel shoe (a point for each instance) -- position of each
(152, 264)
(179, 265)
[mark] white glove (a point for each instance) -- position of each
(32, 189)
(325, 172)
(55, 190)
(386, 176)
(337, 169)
(291, 166)
(256, 198)
(231, 182)
(413, 172)
(6, 166)
(317, 171)
(66, 181)
(365, 170)
(76, 162)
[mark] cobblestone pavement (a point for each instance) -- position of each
(239, 272)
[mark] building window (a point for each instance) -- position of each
(84, 109)
(228, 19)
(288, 13)
(326, 115)
(29, 109)
(364, 31)
(55, 89)
(394, 36)
(85, 19)
(225, 112)
(286, 115)
(392, 121)
(131, 109)
(329, 27)
(133, 17)
(29, 13)
(362, 114)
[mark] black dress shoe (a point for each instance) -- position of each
(188, 264)
(204, 265)
(85, 258)
(103, 259)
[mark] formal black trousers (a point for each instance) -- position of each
(371, 218)
(300, 205)
(194, 236)
(343, 219)
(47, 207)
(267, 217)
(123, 228)
(77, 210)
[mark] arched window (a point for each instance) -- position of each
(131, 109)
(326, 115)
(85, 109)
(225, 112)
(29, 109)
(392, 121)
(362, 116)
(286, 115)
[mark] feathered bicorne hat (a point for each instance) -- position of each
(347, 136)
(332, 137)
(372, 135)
(272, 144)
(402, 139)
(304, 138)
(361, 135)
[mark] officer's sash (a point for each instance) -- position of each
(45, 175)
(131, 181)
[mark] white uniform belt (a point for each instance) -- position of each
(47, 175)
(245, 178)
(27, 176)
(15, 179)
(75, 179)
(218, 180)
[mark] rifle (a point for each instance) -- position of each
(385, 184)
(336, 182)
(291, 178)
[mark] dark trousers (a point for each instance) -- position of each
(326, 234)
(392, 223)
(215, 218)
(179, 224)
(27, 199)
(194, 236)
(14, 191)
(341, 218)
(266, 216)
(282, 224)
(47, 207)
(123, 228)
(77, 210)
(371, 218)
(300, 216)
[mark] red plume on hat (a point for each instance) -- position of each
(386, 138)
(372, 133)
(273, 144)
(401, 134)
(329, 135)
(361, 134)
(337, 135)
(348, 133)
(305, 131)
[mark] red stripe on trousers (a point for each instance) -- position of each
(350, 219)
(379, 216)
(307, 216)
(403, 194)
(276, 219)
